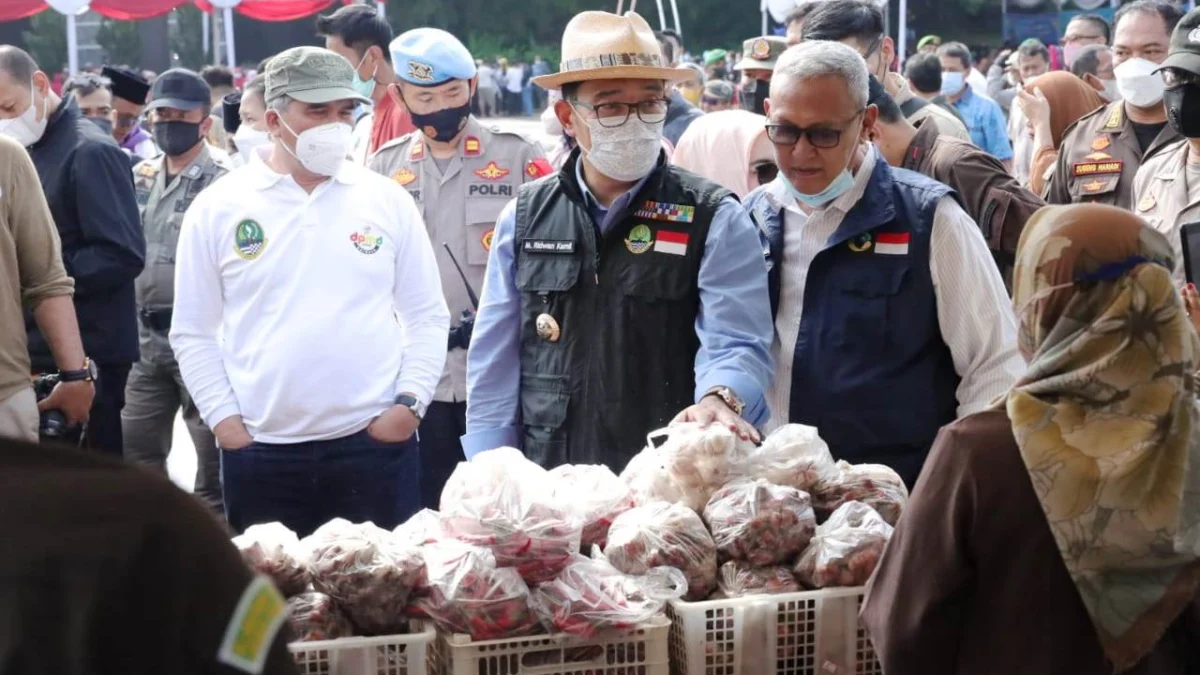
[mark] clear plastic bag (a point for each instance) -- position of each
(648, 478)
(369, 575)
(875, 485)
(846, 548)
(760, 523)
(274, 550)
(504, 502)
(592, 596)
(594, 495)
(740, 578)
(468, 593)
(424, 527)
(662, 534)
(793, 455)
(315, 616)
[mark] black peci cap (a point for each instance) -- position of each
(231, 112)
(127, 85)
(181, 89)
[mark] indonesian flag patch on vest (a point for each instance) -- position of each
(892, 243)
(674, 243)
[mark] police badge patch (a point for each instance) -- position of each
(248, 240)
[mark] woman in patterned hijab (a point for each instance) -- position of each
(1106, 430)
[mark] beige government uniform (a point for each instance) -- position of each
(1167, 195)
(1099, 158)
(155, 391)
(460, 206)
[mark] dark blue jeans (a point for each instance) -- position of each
(305, 485)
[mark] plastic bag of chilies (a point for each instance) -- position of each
(468, 593)
(368, 574)
(760, 523)
(689, 466)
(274, 550)
(846, 548)
(739, 578)
(504, 502)
(315, 616)
(875, 485)
(661, 534)
(592, 596)
(793, 455)
(594, 495)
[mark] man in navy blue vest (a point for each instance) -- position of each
(890, 317)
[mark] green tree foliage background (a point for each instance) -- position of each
(46, 40)
(120, 40)
(187, 37)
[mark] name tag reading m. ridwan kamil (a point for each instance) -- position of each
(562, 246)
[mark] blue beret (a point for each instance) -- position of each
(428, 56)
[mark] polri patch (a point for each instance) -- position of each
(1097, 168)
(253, 627)
(492, 171)
(673, 213)
(558, 246)
(404, 176)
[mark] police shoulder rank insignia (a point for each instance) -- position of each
(252, 629)
(861, 242)
(674, 213)
(491, 172)
(536, 168)
(404, 176)
(422, 72)
(1115, 117)
(1100, 143)
(417, 151)
(193, 172)
(1146, 203)
(1097, 167)
(472, 147)
(486, 239)
(365, 242)
(147, 170)
(639, 240)
(248, 240)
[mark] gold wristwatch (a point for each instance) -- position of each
(729, 397)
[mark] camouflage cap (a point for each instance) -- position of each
(761, 53)
(311, 75)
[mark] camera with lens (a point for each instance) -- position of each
(461, 336)
(53, 423)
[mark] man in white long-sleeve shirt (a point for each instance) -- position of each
(891, 319)
(302, 262)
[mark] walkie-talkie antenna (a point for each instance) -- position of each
(470, 291)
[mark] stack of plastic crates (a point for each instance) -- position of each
(408, 654)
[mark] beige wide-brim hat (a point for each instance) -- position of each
(604, 46)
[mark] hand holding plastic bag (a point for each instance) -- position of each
(846, 548)
(760, 523)
(591, 596)
(274, 550)
(662, 534)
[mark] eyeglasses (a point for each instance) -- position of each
(1174, 77)
(824, 138)
(765, 171)
(126, 121)
(612, 115)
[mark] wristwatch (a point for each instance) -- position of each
(89, 373)
(409, 401)
(729, 397)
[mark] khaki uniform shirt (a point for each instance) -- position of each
(162, 207)
(460, 206)
(1167, 194)
(1099, 158)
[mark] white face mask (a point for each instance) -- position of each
(26, 129)
(625, 153)
(1139, 84)
(249, 139)
(322, 150)
(1111, 92)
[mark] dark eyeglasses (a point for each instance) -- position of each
(824, 138)
(1174, 77)
(765, 171)
(612, 115)
(127, 121)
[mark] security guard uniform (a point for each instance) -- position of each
(155, 391)
(460, 199)
(1099, 158)
(1166, 198)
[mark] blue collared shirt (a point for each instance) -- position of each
(734, 324)
(985, 121)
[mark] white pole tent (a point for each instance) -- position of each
(226, 7)
(902, 35)
(71, 9)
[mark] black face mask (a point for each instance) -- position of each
(754, 96)
(104, 123)
(442, 125)
(176, 137)
(1183, 109)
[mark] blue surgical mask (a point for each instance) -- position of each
(364, 87)
(952, 83)
(839, 186)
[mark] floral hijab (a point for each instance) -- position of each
(1106, 417)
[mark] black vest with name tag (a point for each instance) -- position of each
(615, 356)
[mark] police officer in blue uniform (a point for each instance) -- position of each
(891, 319)
(461, 174)
(622, 290)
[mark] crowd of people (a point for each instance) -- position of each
(348, 283)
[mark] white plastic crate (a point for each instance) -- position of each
(385, 655)
(807, 633)
(640, 651)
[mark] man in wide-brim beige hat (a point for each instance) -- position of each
(602, 316)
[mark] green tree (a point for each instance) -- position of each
(120, 41)
(187, 40)
(47, 40)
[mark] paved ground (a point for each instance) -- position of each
(182, 462)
